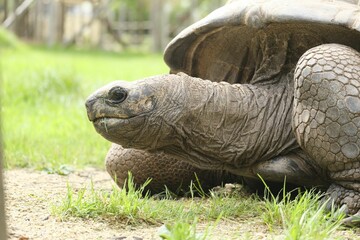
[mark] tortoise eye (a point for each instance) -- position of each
(117, 95)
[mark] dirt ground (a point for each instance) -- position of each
(29, 195)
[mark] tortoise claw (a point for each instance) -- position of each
(351, 221)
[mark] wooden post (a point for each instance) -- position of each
(52, 23)
(38, 21)
(122, 17)
(160, 27)
(102, 13)
(3, 231)
(19, 10)
(165, 26)
(155, 30)
(5, 9)
(194, 13)
(61, 22)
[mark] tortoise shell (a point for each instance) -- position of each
(255, 41)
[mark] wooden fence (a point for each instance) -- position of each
(97, 22)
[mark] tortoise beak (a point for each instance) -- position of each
(89, 104)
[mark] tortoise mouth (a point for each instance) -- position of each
(103, 119)
(110, 121)
(105, 124)
(111, 118)
(119, 130)
(109, 125)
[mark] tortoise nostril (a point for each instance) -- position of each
(117, 94)
(89, 103)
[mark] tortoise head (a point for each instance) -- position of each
(132, 114)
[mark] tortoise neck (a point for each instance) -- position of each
(228, 126)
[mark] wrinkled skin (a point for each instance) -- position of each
(305, 127)
(181, 112)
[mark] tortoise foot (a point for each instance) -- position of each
(349, 200)
(353, 220)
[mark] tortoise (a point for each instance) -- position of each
(264, 88)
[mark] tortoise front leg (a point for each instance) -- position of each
(161, 168)
(327, 118)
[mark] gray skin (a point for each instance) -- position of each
(290, 106)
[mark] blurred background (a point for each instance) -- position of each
(105, 24)
(54, 53)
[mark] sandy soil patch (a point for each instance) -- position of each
(29, 195)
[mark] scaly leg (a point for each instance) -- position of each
(327, 118)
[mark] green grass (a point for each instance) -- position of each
(43, 93)
(133, 206)
(304, 217)
(181, 230)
